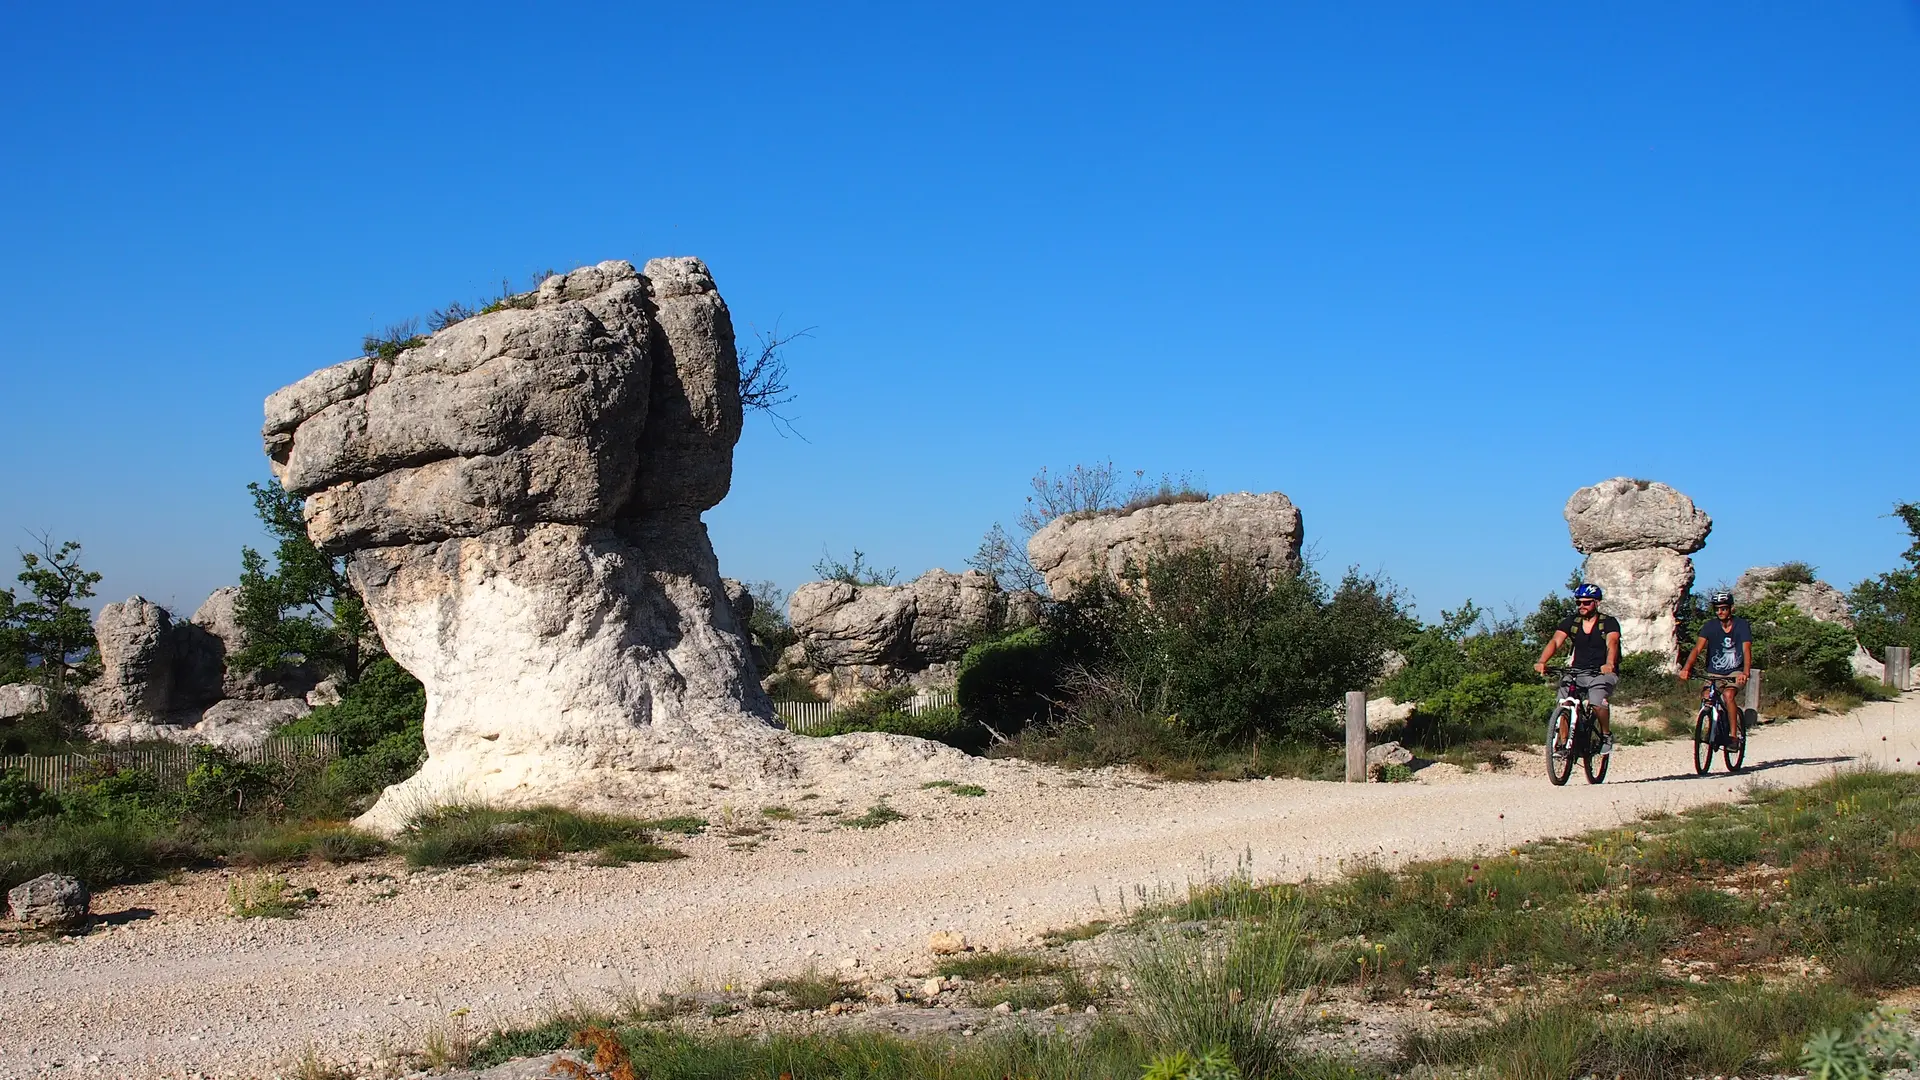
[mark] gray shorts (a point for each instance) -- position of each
(1597, 686)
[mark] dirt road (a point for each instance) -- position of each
(174, 984)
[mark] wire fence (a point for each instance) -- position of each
(170, 764)
(803, 717)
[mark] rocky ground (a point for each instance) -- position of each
(172, 984)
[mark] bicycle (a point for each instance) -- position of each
(1582, 739)
(1713, 731)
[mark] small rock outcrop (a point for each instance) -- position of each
(520, 498)
(1636, 535)
(51, 902)
(1815, 599)
(876, 636)
(219, 615)
(1263, 531)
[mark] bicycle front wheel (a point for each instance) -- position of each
(1560, 752)
(1703, 742)
(1736, 756)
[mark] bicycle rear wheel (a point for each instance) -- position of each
(1559, 754)
(1703, 742)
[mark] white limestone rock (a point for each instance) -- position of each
(1623, 515)
(1262, 530)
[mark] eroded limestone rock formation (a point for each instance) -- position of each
(1262, 530)
(165, 679)
(875, 636)
(1636, 535)
(1817, 600)
(520, 501)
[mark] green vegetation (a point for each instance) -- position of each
(877, 815)
(1227, 672)
(807, 992)
(971, 791)
(886, 710)
(267, 897)
(456, 835)
(47, 638)
(1886, 608)
(302, 611)
(378, 722)
(859, 572)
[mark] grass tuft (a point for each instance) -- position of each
(877, 815)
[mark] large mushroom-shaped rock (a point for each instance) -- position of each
(1644, 587)
(519, 498)
(1626, 515)
(1264, 531)
(1637, 535)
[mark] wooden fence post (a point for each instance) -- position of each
(1750, 694)
(1899, 668)
(1356, 736)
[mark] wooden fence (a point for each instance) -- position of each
(170, 764)
(805, 716)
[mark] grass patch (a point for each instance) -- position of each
(266, 897)
(972, 791)
(622, 852)
(458, 835)
(809, 992)
(991, 965)
(98, 851)
(877, 815)
(328, 842)
(778, 813)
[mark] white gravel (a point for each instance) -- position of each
(175, 986)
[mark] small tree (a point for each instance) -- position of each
(303, 609)
(49, 638)
(858, 572)
(1886, 609)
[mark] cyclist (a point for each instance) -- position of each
(1728, 642)
(1595, 661)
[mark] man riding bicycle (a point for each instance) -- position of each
(1728, 643)
(1595, 662)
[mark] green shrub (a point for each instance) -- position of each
(1792, 645)
(1886, 608)
(378, 722)
(99, 851)
(21, 799)
(1009, 682)
(1229, 652)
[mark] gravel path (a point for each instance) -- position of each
(174, 986)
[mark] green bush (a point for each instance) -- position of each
(21, 799)
(378, 722)
(1473, 679)
(1796, 647)
(886, 711)
(1011, 681)
(1230, 652)
(98, 851)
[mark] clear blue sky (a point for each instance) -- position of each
(1426, 268)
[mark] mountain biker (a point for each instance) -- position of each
(1595, 661)
(1728, 643)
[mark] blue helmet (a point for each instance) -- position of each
(1588, 592)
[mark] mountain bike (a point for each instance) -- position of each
(1713, 731)
(1582, 739)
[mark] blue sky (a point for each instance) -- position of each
(1425, 268)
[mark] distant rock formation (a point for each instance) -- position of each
(519, 498)
(1815, 599)
(162, 679)
(1263, 531)
(861, 637)
(1636, 535)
